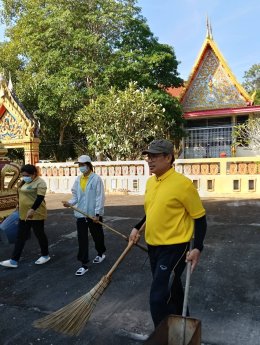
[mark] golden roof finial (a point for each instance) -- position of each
(211, 34)
(10, 84)
(209, 29)
(2, 78)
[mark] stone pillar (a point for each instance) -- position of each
(31, 151)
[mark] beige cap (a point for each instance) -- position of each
(83, 159)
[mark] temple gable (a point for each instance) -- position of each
(11, 127)
(211, 84)
(14, 123)
(18, 129)
(212, 87)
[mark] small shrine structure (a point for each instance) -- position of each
(213, 102)
(18, 129)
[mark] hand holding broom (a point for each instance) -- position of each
(72, 318)
(108, 227)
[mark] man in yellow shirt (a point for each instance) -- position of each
(173, 212)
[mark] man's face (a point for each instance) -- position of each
(158, 163)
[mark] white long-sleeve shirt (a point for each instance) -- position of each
(90, 201)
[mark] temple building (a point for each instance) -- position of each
(18, 128)
(213, 102)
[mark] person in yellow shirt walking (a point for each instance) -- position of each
(173, 212)
(32, 214)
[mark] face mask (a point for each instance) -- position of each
(27, 179)
(84, 169)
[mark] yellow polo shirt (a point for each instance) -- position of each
(171, 205)
(27, 196)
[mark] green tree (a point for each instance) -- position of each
(119, 124)
(138, 56)
(70, 51)
(9, 61)
(172, 117)
(252, 82)
(248, 134)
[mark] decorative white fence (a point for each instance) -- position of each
(213, 177)
(223, 177)
(119, 177)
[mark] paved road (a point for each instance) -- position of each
(224, 291)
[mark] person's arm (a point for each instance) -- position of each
(41, 191)
(39, 199)
(74, 200)
(200, 228)
(100, 200)
(138, 225)
(134, 235)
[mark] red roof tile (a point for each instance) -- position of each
(175, 91)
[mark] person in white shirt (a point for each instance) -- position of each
(88, 195)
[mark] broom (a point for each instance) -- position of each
(72, 318)
(108, 227)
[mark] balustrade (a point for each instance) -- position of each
(212, 176)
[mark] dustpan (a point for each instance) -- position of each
(170, 332)
(176, 329)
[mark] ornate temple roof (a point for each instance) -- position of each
(211, 84)
(16, 122)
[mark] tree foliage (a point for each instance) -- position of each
(172, 116)
(252, 82)
(65, 53)
(119, 124)
(9, 61)
(248, 134)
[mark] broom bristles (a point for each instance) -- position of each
(72, 318)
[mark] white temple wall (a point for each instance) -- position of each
(119, 177)
(231, 177)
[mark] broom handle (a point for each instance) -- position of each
(185, 302)
(108, 227)
(187, 285)
(122, 256)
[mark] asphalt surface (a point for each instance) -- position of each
(224, 294)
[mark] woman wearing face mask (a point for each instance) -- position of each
(32, 214)
(88, 195)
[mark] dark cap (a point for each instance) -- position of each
(159, 146)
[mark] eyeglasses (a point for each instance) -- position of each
(154, 156)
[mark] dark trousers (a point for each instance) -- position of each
(24, 234)
(96, 230)
(166, 294)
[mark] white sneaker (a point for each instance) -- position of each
(42, 260)
(98, 259)
(81, 271)
(9, 263)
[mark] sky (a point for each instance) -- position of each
(182, 25)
